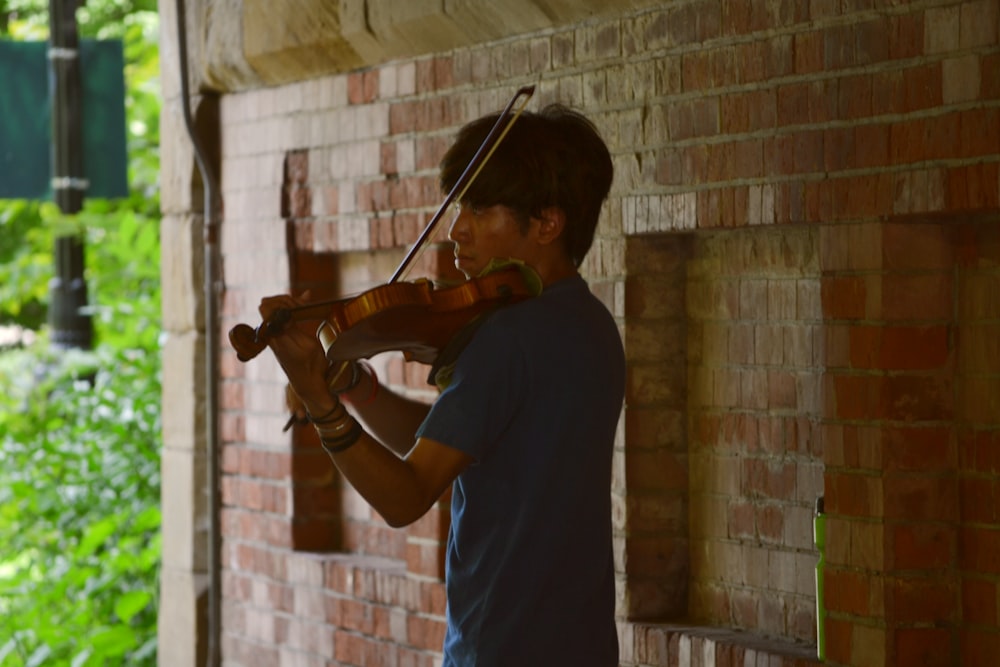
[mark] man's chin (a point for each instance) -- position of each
(465, 266)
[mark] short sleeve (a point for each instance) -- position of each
(482, 397)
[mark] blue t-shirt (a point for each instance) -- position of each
(534, 399)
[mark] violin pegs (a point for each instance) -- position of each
(244, 340)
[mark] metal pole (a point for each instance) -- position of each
(70, 324)
(210, 213)
(65, 96)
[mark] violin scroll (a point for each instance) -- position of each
(244, 340)
(249, 342)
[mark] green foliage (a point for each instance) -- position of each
(80, 431)
(28, 229)
(79, 515)
(79, 478)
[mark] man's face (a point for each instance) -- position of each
(481, 234)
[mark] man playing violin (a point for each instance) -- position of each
(524, 425)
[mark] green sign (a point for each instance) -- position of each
(26, 120)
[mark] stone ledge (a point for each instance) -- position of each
(258, 43)
(667, 645)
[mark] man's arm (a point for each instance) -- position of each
(402, 479)
(393, 419)
(400, 490)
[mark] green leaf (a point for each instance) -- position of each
(131, 603)
(97, 533)
(148, 519)
(81, 658)
(114, 641)
(39, 656)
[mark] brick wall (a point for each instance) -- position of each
(754, 408)
(800, 247)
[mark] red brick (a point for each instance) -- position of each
(426, 633)
(871, 146)
(921, 497)
(770, 523)
(857, 198)
(793, 104)
(425, 559)
(978, 547)
(907, 141)
(916, 246)
(847, 592)
(809, 151)
(839, 638)
(696, 70)
(979, 646)
(781, 388)
(823, 101)
(403, 117)
(736, 17)
(839, 149)
(914, 600)
(906, 35)
(779, 156)
(808, 49)
(922, 546)
(980, 498)
(871, 45)
(912, 448)
(888, 94)
(855, 94)
(990, 85)
(745, 608)
(915, 348)
(654, 556)
(979, 601)
(979, 133)
(917, 398)
(923, 646)
(865, 343)
(843, 297)
(944, 136)
(851, 494)
(922, 87)
(982, 186)
(838, 47)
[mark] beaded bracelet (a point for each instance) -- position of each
(355, 379)
(343, 442)
(373, 376)
(329, 417)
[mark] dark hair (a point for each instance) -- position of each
(554, 157)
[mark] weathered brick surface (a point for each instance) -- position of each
(800, 249)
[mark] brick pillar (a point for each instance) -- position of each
(977, 424)
(651, 481)
(908, 380)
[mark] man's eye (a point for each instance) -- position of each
(474, 210)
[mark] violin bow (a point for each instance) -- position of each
(500, 128)
(496, 135)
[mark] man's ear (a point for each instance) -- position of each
(551, 223)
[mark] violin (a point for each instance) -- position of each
(416, 318)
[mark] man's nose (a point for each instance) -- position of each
(459, 227)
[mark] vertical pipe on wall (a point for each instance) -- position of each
(210, 186)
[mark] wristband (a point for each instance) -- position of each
(344, 442)
(373, 376)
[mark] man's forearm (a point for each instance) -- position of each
(391, 418)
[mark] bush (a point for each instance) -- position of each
(79, 514)
(80, 430)
(80, 479)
